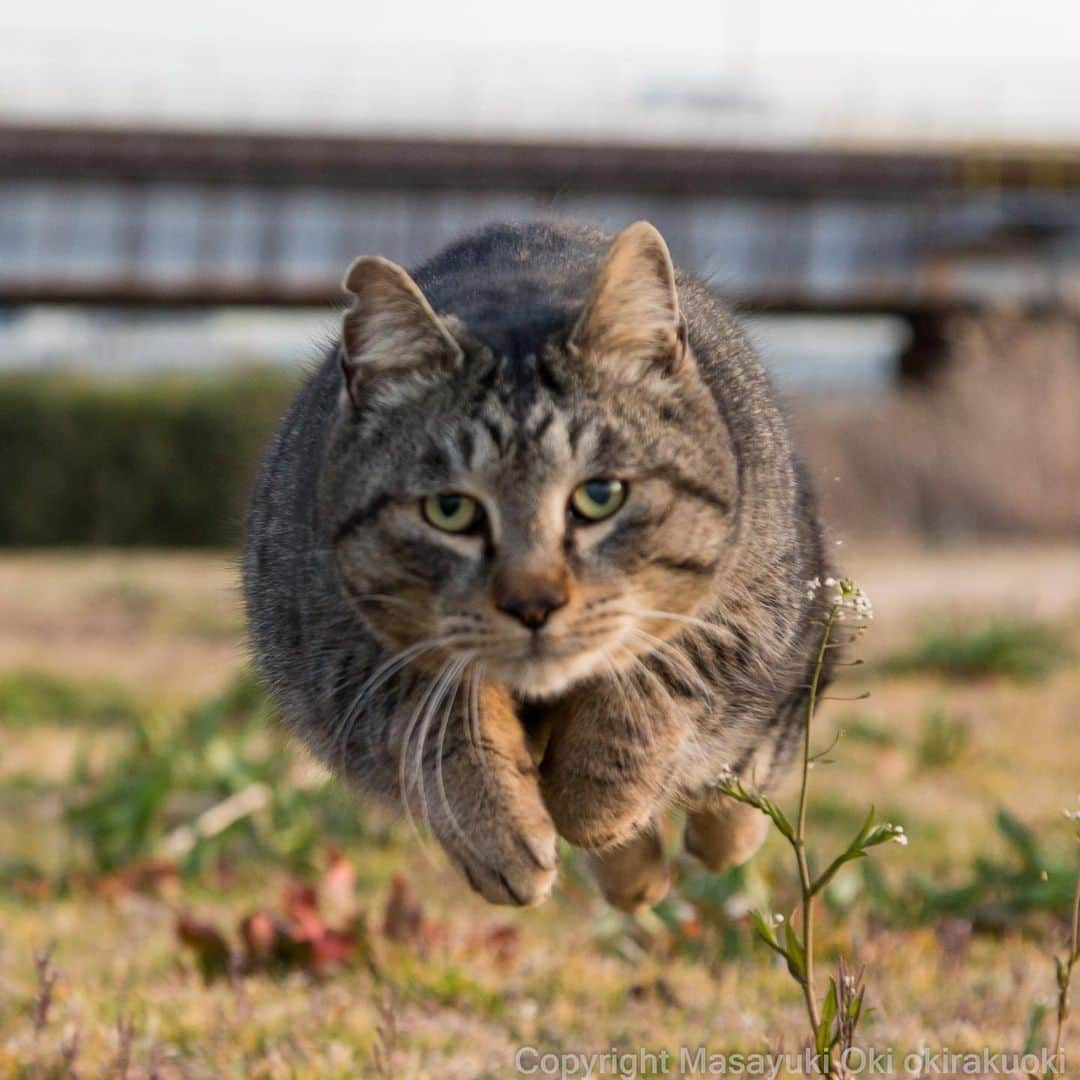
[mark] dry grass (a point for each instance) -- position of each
(136, 619)
(570, 975)
(989, 447)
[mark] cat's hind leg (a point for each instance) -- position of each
(724, 834)
(633, 874)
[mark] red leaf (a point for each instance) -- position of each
(332, 947)
(690, 928)
(339, 884)
(302, 910)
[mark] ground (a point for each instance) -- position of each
(108, 661)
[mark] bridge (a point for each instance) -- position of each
(187, 218)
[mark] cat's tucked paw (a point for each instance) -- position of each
(596, 825)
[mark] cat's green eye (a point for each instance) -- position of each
(597, 499)
(451, 511)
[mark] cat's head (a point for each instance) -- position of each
(548, 514)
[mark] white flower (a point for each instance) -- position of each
(896, 833)
(778, 919)
(848, 601)
(1072, 815)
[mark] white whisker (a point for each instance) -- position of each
(686, 620)
(449, 675)
(386, 670)
(677, 661)
(383, 598)
(638, 667)
(439, 781)
(474, 712)
(403, 749)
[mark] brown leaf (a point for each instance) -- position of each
(504, 941)
(403, 918)
(432, 933)
(32, 888)
(263, 939)
(154, 877)
(206, 941)
(365, 945)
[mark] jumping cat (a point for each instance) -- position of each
(529, 555)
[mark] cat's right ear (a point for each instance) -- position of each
(390, 332)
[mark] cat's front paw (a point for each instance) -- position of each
(509, 861)
(495, 827)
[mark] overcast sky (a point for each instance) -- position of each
(681, 68)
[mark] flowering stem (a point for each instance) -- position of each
(800, 832)
(833, 1021)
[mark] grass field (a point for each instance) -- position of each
(141, 782)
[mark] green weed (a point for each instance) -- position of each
(997, 892)
(1002, 647)
(943, 741)
(216, 783)
(31, 697)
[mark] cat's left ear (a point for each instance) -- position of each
(632, 314)
(390, 332)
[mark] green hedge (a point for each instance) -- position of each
(162, 460)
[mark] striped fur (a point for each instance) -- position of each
(512, 367)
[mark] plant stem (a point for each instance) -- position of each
(800, 834)
(1070, 961)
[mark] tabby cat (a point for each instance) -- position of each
(528, 557)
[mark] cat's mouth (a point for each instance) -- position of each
(545, 666)
(538, 664)
(542, 676)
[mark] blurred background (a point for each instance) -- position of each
(893, 204)
(890, 198)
